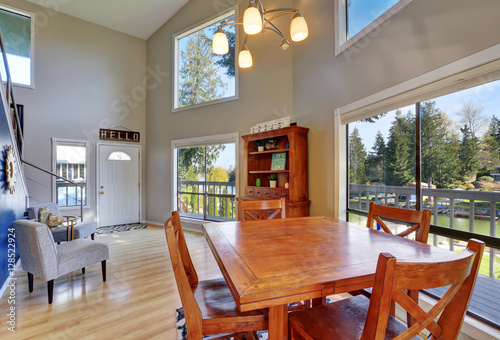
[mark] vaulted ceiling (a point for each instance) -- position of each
(139, 18)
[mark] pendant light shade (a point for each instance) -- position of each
(245, 58)
(298, 28)
(252, 20)
(220, 45)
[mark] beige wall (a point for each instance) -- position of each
(310, 82)
(265, 94)
(423, 36)
(82, 73)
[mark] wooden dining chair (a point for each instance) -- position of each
(209, 307)
(249, 209)
(420, 221)
(368, 319)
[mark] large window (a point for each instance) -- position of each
(355, 19)
(205, 176)
(202, 77)
(457, 177)
(70, 163)
(17, 36)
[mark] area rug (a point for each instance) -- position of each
(120, 228)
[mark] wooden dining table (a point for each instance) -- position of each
(270, 263)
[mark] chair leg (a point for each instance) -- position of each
(30, 282)
(50, 290)
(103, 265)
(83, 270)
(92, 236)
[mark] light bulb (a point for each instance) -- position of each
(298, 28)
(245, 58)
(252, 20)
(220, 45)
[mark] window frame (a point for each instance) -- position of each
(343, 43)
(69, 142)
(201, 141)
(175, 60)
(31, 15)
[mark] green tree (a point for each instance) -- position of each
(357, 159)
(400, 165)
(376, 159)
(491, 144)
(199, 78)
(439, 147)
(468, 154)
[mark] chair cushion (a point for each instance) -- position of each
(33, 210)
(80, 253)
(84, 229)
(344, 319)
(216, 302)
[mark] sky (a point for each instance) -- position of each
(487, 95)
(360, 13)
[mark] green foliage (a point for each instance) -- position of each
(468, 154)
(488, 179)
(357, 159)
(376, 160)
(400, 158)
(199, 79)
(438, 148)
(191, 161)
(273, 177)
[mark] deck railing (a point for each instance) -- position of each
(480, 208)
(207, 200)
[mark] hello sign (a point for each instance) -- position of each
(119, 135)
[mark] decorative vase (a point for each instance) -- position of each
(272, 184)
(257, 182)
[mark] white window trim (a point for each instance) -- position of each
(370, 31)
(199, 141)
(73, 142)
(32, 43)
(179, 35)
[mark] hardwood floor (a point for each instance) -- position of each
(138, 301)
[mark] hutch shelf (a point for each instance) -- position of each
(292, 181)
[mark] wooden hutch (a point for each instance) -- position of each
(293, 142)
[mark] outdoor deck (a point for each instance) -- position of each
(484, 304)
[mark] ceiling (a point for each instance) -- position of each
(139, 18)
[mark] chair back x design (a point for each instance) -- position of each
(369, 319)
(393, 278)
(420, 220)
(249, 209)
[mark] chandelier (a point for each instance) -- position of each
(255, 20)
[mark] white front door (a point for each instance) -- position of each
(118, 184)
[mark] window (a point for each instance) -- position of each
(17, 36)
(355, 19)
(202, 77)
(205, 177)
(70, 163)
(459, 170)
(119, 156)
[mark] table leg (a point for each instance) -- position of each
(278, 322)
(318, 301)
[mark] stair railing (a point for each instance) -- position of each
(82, 187)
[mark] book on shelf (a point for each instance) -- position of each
(278, 161)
